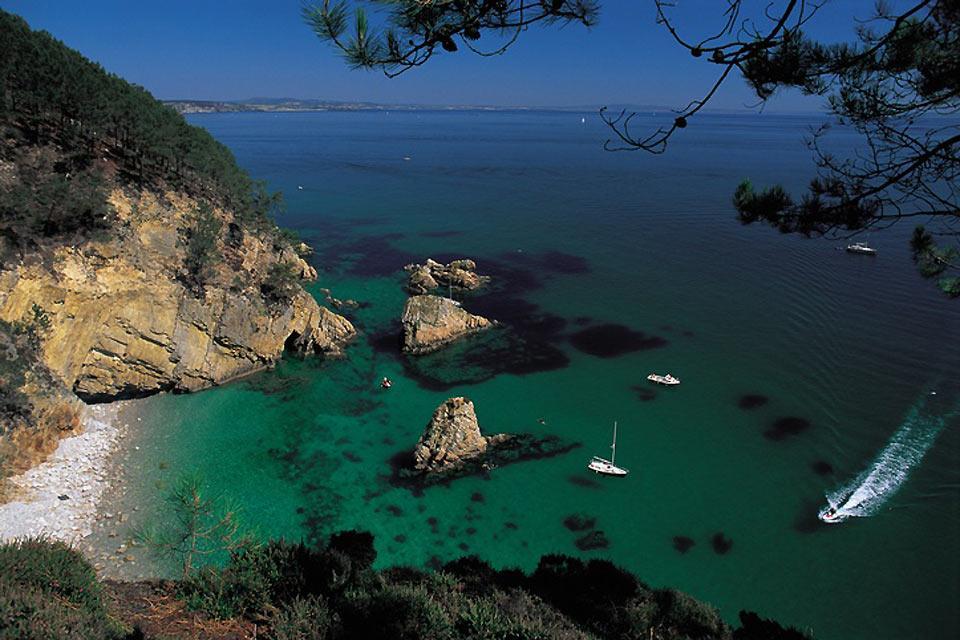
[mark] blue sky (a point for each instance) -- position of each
(215, 50)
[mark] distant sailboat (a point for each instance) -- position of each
(583, 120)
(608, 467)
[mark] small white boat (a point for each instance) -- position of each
(608, 467)
(861, 248)
(830, 515)
(668, 379)
(299, 187)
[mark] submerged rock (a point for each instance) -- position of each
(430, 322)
(452, 437)
(459, 274)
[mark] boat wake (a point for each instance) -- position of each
(866, 493)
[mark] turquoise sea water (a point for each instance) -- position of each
(589, 250)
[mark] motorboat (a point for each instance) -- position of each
(830, 515)
(668, 379)
(862, 248)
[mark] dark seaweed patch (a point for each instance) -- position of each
(786, 427)
(579, 522)
(644, 393)
(342, 440)
(441, 234)
(367, 256)
(388, 340)
(387, 440)
(394, 510)
(510, 525)
(585, 482)
(400, 538)
(352, 457)
(721, 543)
(463, 546)
(434, 563)
(481, 357)
(752, 401)
(551, 261)
(611, 340)
(821, 467)
(434, 524)
(470, 531)
(518, 448)
(593, 540)
(476, 496)
(683, 543)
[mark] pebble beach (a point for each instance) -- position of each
(59, 499)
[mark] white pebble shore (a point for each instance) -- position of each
(77, 469)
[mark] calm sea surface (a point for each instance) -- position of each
(607, 267)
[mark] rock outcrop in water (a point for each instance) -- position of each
(452, 437)
(123, 323)
(431, 322)
(459, 274)
(452, 447)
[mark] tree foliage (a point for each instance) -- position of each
(897, 86)
(53, 97)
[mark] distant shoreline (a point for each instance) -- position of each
(191, 107)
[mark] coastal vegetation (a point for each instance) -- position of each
(82, 124)
(289, 591)
(896, 86)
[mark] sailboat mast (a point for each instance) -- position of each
(613, 457)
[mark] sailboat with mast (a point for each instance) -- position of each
(608, 467)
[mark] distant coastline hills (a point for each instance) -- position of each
(292, 105)
(297, 104)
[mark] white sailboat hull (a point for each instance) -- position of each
(607, 468)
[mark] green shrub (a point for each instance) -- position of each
(202, 253)
(400, 612)
(690, 616)
(280, 284)
(303, 619)
(52, 568)
(49, 592)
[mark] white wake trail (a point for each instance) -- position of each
(866, 493)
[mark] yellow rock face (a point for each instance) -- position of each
(124, 324)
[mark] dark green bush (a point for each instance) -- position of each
(52, 568)
(49, 592)
(356, 545)
(689, 616)
(280, 284)
(202, 252)
(395, 612)
(307, 618)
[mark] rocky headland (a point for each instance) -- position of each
(122, 321)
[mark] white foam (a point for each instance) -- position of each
(867, 492)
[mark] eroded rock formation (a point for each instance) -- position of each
(430, 322)
(452, 437)
(124, 323)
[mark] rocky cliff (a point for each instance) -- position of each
(126, 320)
